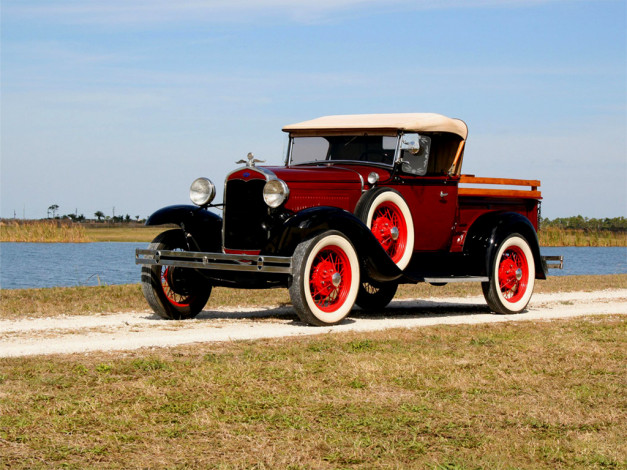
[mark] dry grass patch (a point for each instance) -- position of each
(520, 395)
(20, 303)
(141, 233)
(42, 231)
(554, 236)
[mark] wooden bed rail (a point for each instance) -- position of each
(531, 193)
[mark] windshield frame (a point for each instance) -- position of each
(397, 136)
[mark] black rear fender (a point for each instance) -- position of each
(203, 229)
(311, 222)
(487, 233)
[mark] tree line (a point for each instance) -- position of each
(99, 215)
(615, 224)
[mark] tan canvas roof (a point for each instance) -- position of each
(415, 122)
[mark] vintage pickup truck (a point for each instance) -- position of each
(362, 204)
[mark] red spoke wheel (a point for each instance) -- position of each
(386, 213)
(173, 293)
(512, 276)
(326, 279)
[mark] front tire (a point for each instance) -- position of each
(173, 293)
(326, 279)
(512, 276)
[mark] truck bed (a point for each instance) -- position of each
(531, 193)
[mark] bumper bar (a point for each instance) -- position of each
(216, 261)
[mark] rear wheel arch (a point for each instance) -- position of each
(488, 232)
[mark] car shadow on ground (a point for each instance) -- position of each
(398, 309)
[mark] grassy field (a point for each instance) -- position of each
(123, 234)
(57, 231)
(502, 396)
(552, 236)
(49, 231)
(522, 395)
(63, 231)
(35, 303)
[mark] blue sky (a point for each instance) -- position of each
(121, 104)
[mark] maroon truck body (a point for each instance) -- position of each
(362, 204)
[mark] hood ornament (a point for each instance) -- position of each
(251, 160)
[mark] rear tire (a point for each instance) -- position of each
(374, 296)
(386, 213)
(326, 279)
(512, 276)
(173, 293)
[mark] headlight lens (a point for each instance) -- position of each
(202, 191)
(275, 193)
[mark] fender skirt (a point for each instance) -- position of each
(310, 222)
(487, 233)
(204, 227)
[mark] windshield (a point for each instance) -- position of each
(360, 148)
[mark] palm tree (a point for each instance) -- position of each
(53, 208)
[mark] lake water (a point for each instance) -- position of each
(29, 265)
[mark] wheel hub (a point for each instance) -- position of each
(325, 278)
(385, 231)
(180, 280)
(508, 274)
(394, 233)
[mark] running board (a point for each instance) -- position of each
(447, 279)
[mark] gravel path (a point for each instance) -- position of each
(125, 331)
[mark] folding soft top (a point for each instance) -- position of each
(408, 122)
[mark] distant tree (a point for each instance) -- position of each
(99, 215)
(53, 210)
(127, 218)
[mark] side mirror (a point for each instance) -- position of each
(415, 151)
(411, 143)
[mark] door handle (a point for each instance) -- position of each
(443, 194)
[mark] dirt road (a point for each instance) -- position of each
(125, 331)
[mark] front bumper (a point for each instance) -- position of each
(215, 261)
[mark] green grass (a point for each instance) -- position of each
(522, 395)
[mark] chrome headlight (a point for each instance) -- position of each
(275, 193)
(202, 191)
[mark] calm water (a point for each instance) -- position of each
(27, 265)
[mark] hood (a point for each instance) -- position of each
(316, 174)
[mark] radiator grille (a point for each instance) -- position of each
(244, 214)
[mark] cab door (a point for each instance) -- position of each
(430, 194)
(433, 204)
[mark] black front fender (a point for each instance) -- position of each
(204, 227)
(311, 222)
(487, 233)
